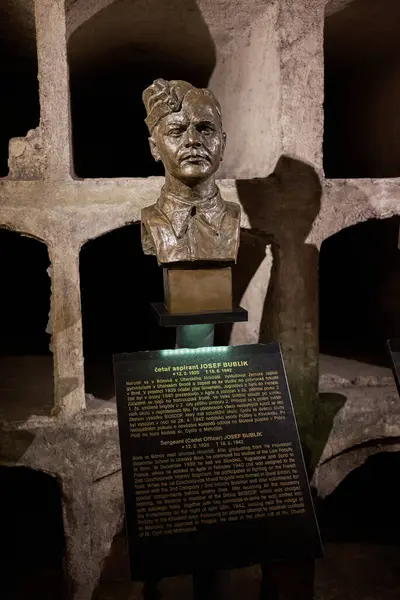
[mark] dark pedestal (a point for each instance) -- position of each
(167, 319)
(196, 330)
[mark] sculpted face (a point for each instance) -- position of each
(190, 143)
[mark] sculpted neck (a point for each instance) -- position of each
(195, 193)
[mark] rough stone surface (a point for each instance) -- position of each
(54, 86)
(26, 156)
(253, 300)
(246, 82)
(83, 454)
(292, 192)
(367, 423)
(291, 205)
(345, 202)
(78, 12)
(301, 58)
(334, 6)
(337, 372)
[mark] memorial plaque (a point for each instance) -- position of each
(394, 353)
(212, 465)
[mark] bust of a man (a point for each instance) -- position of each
(190, 221)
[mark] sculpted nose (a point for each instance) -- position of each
(192, 136)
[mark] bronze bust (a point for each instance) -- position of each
(190, 221)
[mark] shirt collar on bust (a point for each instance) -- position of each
(178, 211)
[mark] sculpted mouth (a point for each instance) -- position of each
(194, 157)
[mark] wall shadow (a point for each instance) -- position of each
(284, 206)
(252, 249)
(114, 579)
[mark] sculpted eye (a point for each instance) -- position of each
(205, 129)
(175, 132)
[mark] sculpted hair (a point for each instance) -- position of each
(163, 97)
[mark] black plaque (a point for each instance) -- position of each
(394, 353)
(212, 465)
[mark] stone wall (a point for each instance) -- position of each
(276, 129)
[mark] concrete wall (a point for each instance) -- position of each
(246, 81)
(290, 206)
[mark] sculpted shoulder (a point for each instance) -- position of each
(233, 209)
(152, 216)
(153, 223)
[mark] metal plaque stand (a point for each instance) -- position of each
(281, 580)
(194, 330)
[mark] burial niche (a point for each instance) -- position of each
(359, 286)
(26, 367)
(32, 543)
(113, 57)
(118, 285)
(362, 89)
(19, 98)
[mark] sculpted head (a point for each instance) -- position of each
(185, 129)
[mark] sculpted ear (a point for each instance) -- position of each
(154, 149)
(223, 144)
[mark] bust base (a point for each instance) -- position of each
(167, 319)
(197, 290)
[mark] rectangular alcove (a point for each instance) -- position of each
(32, 541)
(19, 98)
(26, 363)
(115, 53)
(118, 284)
(362, 89)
